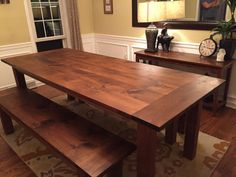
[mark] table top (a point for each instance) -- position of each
(148, 94)
(188, 58)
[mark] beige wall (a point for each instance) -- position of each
(13, 28)
(86, 16)
(120, 23)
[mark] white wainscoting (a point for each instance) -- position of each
(6, 74)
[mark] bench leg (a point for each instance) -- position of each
(192, 130)
(6, 123)
(171, 132)
(116, 171)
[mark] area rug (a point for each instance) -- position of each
(169, 159)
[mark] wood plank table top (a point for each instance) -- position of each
(148, 94)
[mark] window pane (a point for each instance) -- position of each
(37, 14)
(34, 0)
(58, 28)
(49, 28)
(39, 29)
(56, 11)
(46, 11)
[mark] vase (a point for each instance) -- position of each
(229, 45)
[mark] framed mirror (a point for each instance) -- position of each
(199, 15)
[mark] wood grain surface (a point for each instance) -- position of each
(90, 148)
(131, 89)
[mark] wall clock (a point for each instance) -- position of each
(208, 47)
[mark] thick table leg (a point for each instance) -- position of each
(146, 146)
(69, 97)
(116, 171)
(6, 123)
(20, 79)
(182, 123)
(171, 132)
(192, 130)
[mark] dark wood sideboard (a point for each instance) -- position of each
(196, 64)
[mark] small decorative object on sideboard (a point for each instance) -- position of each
(221, 55)
(4, 1)
(225, 30)
(208, 47)
(164, 39)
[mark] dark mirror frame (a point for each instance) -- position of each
(190, 25)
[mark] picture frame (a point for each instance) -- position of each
(215, 13)
(108, 6)
(4, 1)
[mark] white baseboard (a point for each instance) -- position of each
(89, 42)
(30, 84)
(231, 102)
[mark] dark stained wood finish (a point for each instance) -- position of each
(10, 164)
(221, 125)
(121, 86)
(116, 171)
(221, 70)
(147, 143)
(180, 57)
(192, 129)
(182, 124)
(20, 79)
(90, 148)
(153, 96)
(6, 123)
(171, 132)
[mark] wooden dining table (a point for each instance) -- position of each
(152, 96)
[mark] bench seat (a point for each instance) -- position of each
(93, 150)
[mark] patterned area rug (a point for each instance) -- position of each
(169, 160)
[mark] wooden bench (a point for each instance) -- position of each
(91, 149)
(10, 163)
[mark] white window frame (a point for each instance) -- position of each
(32, 30)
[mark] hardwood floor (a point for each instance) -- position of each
(10, 164)
(221, 125)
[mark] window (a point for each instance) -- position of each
(47, 22)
